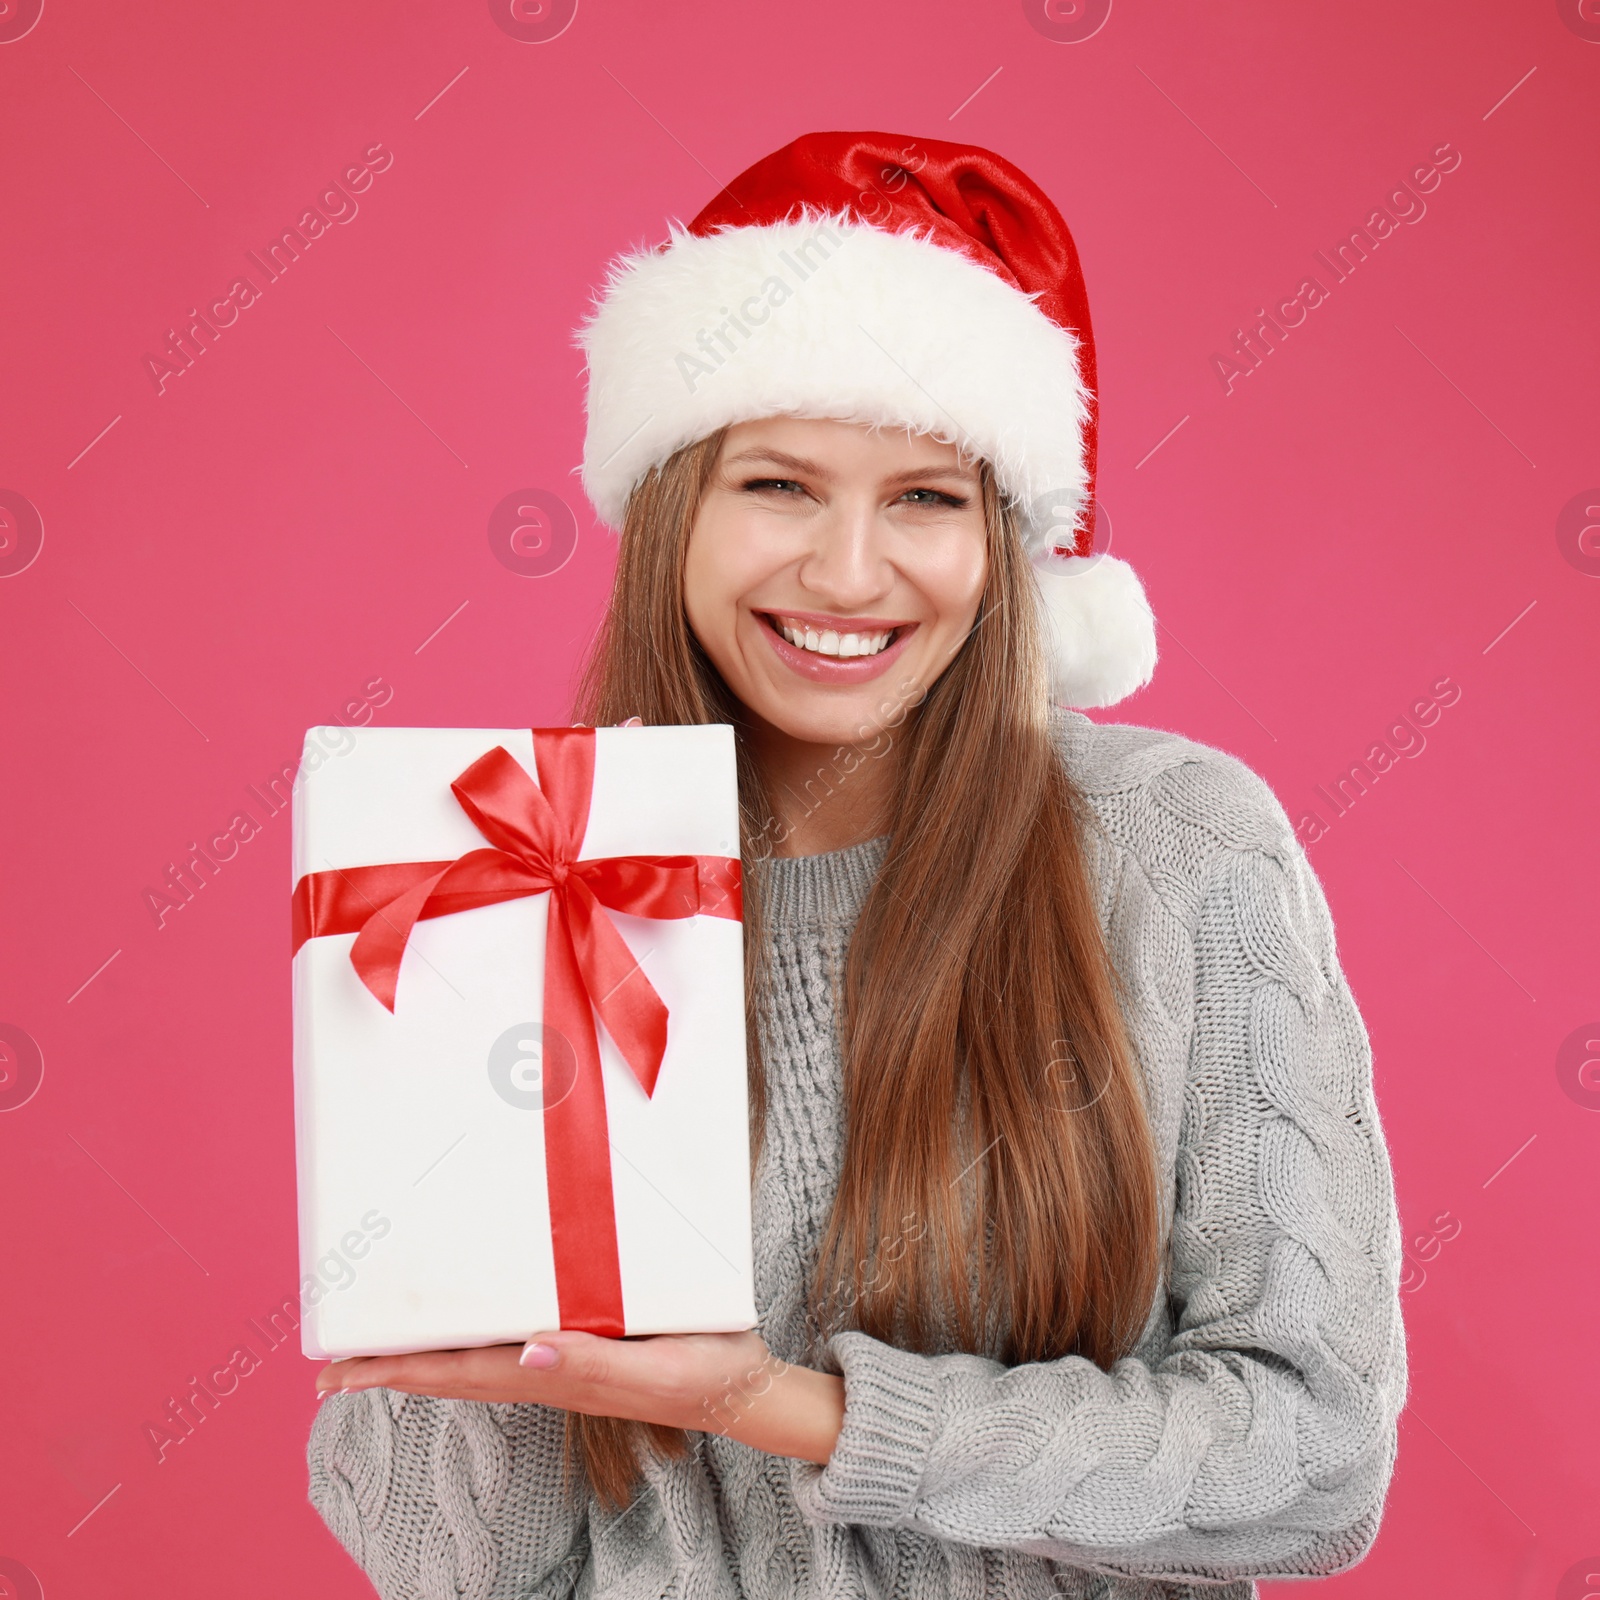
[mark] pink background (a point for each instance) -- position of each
(307, 509)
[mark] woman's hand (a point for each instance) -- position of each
(727, 1383)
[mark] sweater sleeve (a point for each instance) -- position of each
(448, 1499)
(1261, 1442)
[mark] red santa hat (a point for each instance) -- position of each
(874, 278)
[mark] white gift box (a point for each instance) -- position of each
(420, 1134)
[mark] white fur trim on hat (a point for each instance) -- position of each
(1100, 629)
(828, 317)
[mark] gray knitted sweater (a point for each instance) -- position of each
(1252, 1433)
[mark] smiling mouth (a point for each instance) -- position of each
(839, 643)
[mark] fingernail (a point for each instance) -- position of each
(540, 1355)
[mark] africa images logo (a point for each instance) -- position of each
(716, 344)
(336, 203)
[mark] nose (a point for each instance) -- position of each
(846, 568)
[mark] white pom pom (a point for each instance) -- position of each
(1099, 628)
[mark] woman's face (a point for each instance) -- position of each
(832, 572)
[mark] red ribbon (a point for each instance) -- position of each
(536, 831)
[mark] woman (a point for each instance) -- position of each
(1076, 1251)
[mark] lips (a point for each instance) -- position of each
(841, 650)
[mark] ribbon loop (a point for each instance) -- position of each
(511, 811)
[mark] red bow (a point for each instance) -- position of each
(536, 831)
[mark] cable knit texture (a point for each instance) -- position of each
(1251, 1434)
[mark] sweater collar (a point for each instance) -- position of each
(821, 890)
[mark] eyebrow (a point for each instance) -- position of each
(815, 469)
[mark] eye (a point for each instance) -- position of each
(935, 497)
(770, 485)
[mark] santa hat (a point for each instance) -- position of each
(873, 278)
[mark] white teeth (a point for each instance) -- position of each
(832, 643)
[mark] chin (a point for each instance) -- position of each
(822, 718)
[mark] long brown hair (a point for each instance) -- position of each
(994, 1117)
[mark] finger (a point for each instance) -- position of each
(337, 1374)
(592, 1372)
(632, 722)
(585, 1358)
(454, 1372)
